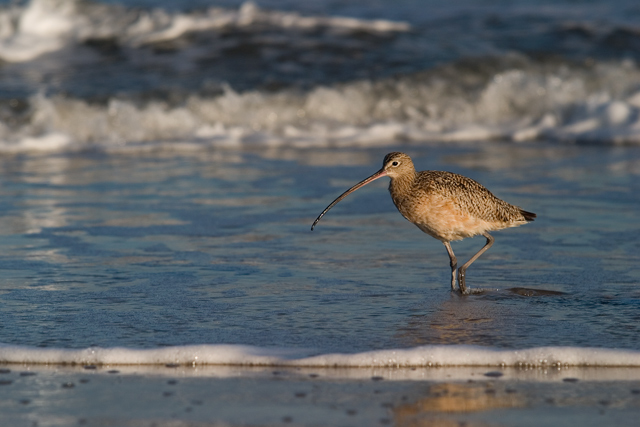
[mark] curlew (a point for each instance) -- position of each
(445, 205)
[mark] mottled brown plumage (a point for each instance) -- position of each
(445, 205)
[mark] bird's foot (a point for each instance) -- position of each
(462, 283)
(454, 275)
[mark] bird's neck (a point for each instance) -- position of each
(401, 185)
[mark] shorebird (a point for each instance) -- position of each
(445, 205)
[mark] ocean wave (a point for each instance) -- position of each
(242, 355)
(510, 98)
(45, 26)
(118, 78)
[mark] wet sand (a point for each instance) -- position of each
(234, 396)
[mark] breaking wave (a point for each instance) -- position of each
(513, 98)
(84, 75)
(44, 26)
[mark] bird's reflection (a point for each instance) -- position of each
(445, 400)
(490, 317)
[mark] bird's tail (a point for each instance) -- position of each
(529, 216)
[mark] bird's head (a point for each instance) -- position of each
(397, 164)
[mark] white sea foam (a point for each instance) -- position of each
(43, 26)
(250, 14)
(425, 356)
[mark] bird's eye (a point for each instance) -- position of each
(395, 164)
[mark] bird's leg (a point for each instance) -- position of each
(454, 264)
(463, 269)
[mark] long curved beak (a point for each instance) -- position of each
(362, 183)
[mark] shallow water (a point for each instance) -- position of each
(206, 247)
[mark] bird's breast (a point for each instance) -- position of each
(438, 216)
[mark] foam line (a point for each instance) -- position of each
(241, 355)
